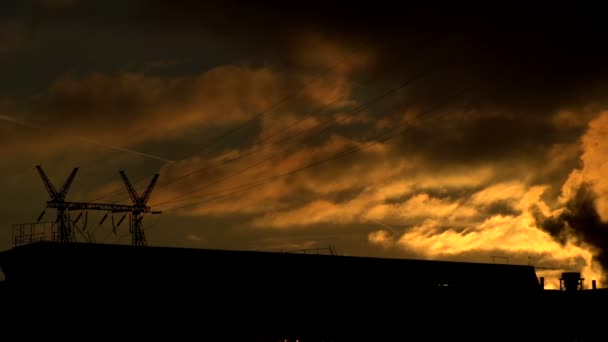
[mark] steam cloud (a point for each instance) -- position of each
(579, 220)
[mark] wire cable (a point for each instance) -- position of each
(380, 138)
(373, 101)
(276, 105)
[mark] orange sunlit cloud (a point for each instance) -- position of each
(595, 148)
(463, 180)
(133, 108)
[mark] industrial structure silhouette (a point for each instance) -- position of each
(63, 229)
(269, 294)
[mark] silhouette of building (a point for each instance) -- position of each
(287, 294)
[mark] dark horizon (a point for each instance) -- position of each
(262, 296)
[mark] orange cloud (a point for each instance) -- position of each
(381, 237)
(578, 117)
(509, 191)
(509, 234)
(133, 108)
(275, 161)
(595, 149)
(373, 202)
(421, 206)
(144, 107)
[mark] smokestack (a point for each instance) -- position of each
(571, 281)
(542, 283)
(593, 285)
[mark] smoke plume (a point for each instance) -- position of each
(579, 221)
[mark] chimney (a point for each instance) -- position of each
(571, 281)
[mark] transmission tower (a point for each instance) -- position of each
(138, 238)
(65, 233)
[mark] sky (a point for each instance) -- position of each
(420, 132)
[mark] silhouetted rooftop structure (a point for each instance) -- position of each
(52, 263)
(262, 293)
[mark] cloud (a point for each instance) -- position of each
(510, 191)
(580, 216)
(276, 160)
(133, 108)
(125, 101)
(419, 207)
(374, 180)
(579, 222)
(313, 49)
(455, 227)
(549, 63)
(380, 192)
(381, 237)
(367, 202)
(595, 146)
(341, 194)
(514, 237)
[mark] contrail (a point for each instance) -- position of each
(15, 121)
(113, 147)
(119, 148)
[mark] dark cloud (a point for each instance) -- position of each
(531, 57)
(580, 220)
(520, 65)
(500, 208)
(485, 139)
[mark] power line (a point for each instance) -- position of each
(331, 122)
(373, 101)
(119, 192)
(246, 187)
(278, 104)
(327, 123)
(323, 127)
(263, 146)
(267, 142)
(341, 154)
(282, 101)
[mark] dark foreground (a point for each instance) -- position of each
(213, 295)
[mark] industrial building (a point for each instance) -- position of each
(290, 294)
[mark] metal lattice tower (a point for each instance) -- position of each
(138, 237)
(65, 233)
